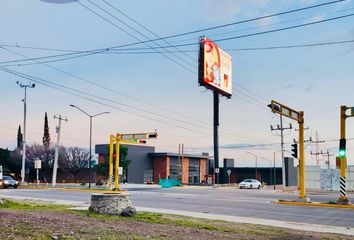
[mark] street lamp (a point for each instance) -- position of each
(256, 162)
(91, 116)
(24, 100)
(270, 170)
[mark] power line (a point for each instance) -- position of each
(72, 91)
(229, 132)
(121, 29)
(264, 32)
(59, 88)
(110, 89)
(251, 20)
(220, 26)
(141, 25)
(131, 50)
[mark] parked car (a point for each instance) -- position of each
(8, 181)
(250, 183)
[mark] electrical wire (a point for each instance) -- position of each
(89, 96)
(136, 38)
(145, 28)
(229, 132)
(196, 31)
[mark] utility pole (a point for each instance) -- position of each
(281, 129)
(328, 158)
(57, 145)
(25, 86)
(317, 153)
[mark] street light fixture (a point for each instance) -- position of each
(256, 162)
(270, 171)
(90, 116)
(24, 100)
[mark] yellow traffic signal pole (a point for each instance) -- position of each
(302, 194)
(343, 199)
(116, 173)
(117, 139)
(299, 117)
(110, 177)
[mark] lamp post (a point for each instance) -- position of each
(25, 86)
(270, 169)
(256, 162)
(90, 116)
(274, 175)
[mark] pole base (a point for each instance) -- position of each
(305, 200)
(343, 201)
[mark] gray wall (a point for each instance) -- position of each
(138, 154)
(290, 172)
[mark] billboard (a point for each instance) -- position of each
(215, 67)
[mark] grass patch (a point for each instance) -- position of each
(211, 225)
(31, 205)
(222, 229)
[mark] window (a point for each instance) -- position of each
(194, 173)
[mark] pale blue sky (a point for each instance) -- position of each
(316, 80)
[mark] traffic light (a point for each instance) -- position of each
(294, 150)
(342, 147)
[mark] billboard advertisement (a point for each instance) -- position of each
(215, 67)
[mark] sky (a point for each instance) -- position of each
(151, 89)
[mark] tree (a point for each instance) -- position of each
(19, 137)
(73, 160)
(11, 161)
(102, 169)
(38, 151)
(46, 136)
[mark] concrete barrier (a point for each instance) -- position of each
(112, 203)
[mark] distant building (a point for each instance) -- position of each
(148, 166)
(193, 168)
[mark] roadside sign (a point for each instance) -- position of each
(37, 164)
(0, 172)
(217, 170)
(228, 172)
(120, 171)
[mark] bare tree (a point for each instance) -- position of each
(37, 151)
(73, 160)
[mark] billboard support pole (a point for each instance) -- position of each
(216, 135)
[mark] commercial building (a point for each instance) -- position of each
(149, 166)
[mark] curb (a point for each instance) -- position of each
(314, 204)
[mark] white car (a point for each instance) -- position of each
(250, 183)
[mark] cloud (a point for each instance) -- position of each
(318, 17)
(309, 88)
(222, 10)
(260, 146)
(229, 10)
(266, 21)
(289, 86)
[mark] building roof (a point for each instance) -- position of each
(167, 154)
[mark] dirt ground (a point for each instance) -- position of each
(43, 224)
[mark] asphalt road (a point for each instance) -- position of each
(234, 202)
